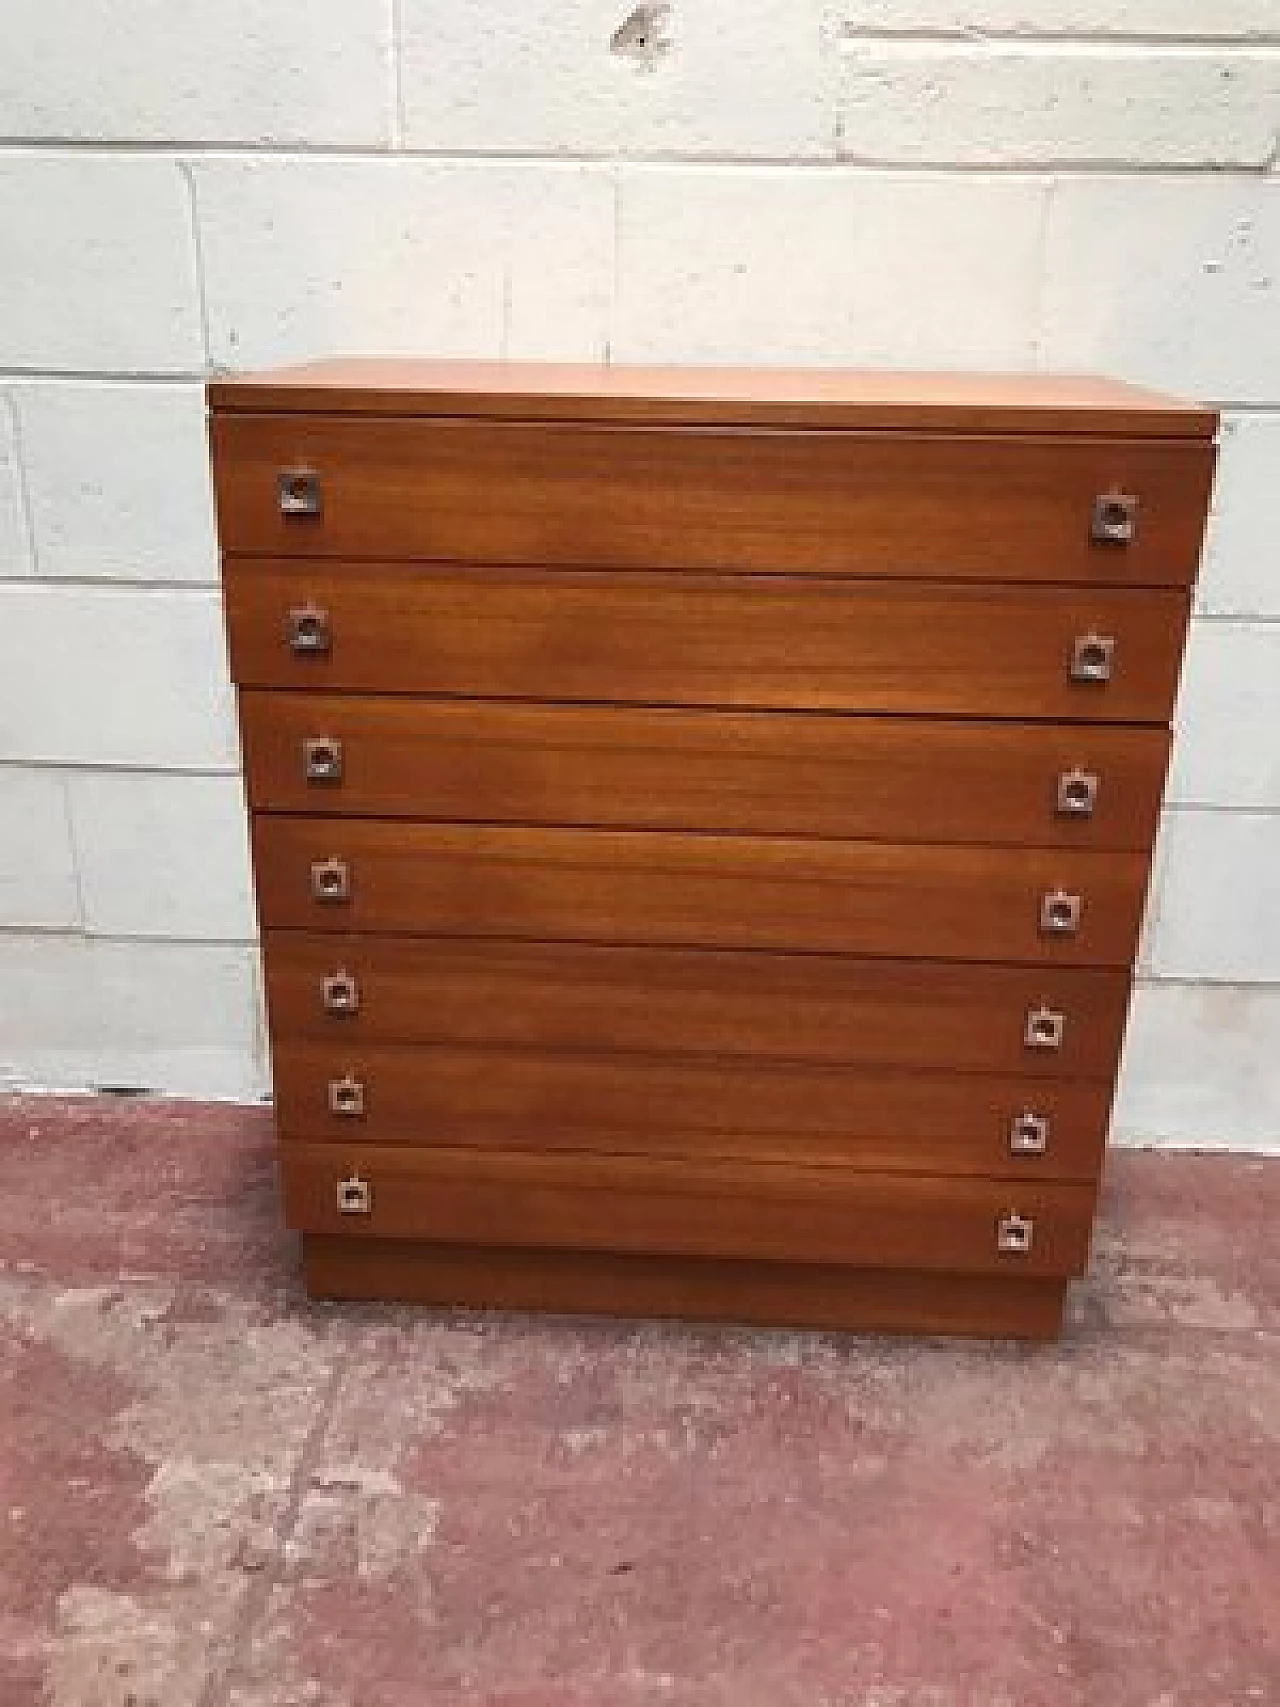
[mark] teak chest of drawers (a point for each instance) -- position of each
(702, 822)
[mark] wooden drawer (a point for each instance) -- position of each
(631, 767)
(831, 503)
(897, 899)
(809, 1007)
(521, 1099)
(706, 1208)
(697, 640)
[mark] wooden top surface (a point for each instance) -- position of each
(869, 400)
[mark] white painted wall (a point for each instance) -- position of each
(1075, 183)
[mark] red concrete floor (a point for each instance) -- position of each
(218, 1495)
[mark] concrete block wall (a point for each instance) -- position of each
(1084, 184)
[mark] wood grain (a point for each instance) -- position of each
(939, 1121)
(846, 504)
(810, 1007)
(925, 648)
(871, 399)
(655, 887)
(714, 1208)
(626, 767)
(695, 1288)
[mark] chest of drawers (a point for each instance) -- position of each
(701, 823)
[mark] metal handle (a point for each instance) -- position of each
(1060, 913)
(346, 1097)
(1028, 1134)
(1115, 519)
(1015, 1234)
(1077, 794)
(298, 491)
(1044, 1029)
(307, 631)
(355, 1196)
(340, 993)
(330, 880)
(322, 759)
(1092, 657)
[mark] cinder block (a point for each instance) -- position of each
(1241, 573)
(161, 855)
(929, 102)
(113, 675)
(1226, 752)
(183, 1018)
(1225, 19)
(15, 542)
(37, 869)
(240, 71)
(308, 257)
(98, 269)
(118, 477)
(1201, 1068)
(1170, 280)
(827, 266)
(1214, 912)
(588, 77)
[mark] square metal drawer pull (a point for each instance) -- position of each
(322, 759)
(340, 993)
(1115, 519)
(330, 880)
(346, 1097)
(1015, 1233)
(1060, 913)
(307, 631)
(355, 1196)
(298, 490)
(1044, 1029)
(1029, 1134)
(1077, 794)
(1092, 657)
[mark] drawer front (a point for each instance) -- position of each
(710, 1208)
(518, 1099)
(349, 992)
(830, 503)
(644, 768)
(767, 642)
(655, 887)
